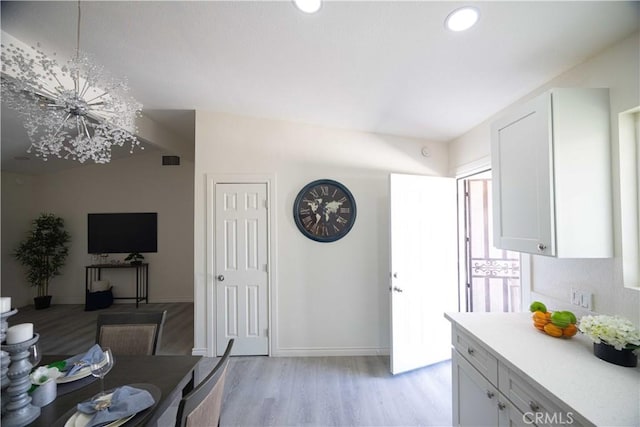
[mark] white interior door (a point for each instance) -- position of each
(241, 268)
(423, 269)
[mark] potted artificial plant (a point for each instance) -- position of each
(134, 258)
(43, 253)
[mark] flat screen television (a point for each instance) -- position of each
(110, 233)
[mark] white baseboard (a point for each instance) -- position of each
(198, 351)
(329, 351)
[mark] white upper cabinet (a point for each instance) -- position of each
(551, 161)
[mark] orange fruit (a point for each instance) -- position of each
(570, 330)
(553, 330)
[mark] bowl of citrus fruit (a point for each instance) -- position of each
(559, 324)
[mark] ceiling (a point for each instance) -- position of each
(385, 67)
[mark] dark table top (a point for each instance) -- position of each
(170, 374)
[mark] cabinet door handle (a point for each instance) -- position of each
(501, 406)
(541, 247)
(490, 394)
(470, 351)
(534, 406)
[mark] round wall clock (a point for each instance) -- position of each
(324, 210)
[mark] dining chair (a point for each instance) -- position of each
(203, 405)
(131, 333)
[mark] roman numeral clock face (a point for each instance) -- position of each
(324, 210)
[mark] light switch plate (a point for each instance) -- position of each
(586, 300)
(582, 298)
(576, 297)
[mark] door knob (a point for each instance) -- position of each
(397, 289)
(541, 247)
(221, 278)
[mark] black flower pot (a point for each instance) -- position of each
(42, 302)
(608, 353)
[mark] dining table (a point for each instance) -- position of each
(167, 378)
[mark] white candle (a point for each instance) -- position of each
(5, 304)
(19, 333)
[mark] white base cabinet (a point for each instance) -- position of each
(477, 402)
(551, 163)
(486, 392)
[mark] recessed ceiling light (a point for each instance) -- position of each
(462, 19)
(308, 6)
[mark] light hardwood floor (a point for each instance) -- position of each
(276, 391)
(334, 391)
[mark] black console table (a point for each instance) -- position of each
(93, 272)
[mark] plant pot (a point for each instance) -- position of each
(42, 302)
(44, 394)
(136, 263)
(609, 354)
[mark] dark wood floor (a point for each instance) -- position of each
(276, 391)
(68, 329)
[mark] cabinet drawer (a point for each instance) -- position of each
(476, 354)
(535, 405)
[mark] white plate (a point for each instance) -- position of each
(80, 420)
(81, 373)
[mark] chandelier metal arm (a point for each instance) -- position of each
(68, 116)
(86, 129)
(45, 93)
(85, 89)
(90, 101)
(55, 76)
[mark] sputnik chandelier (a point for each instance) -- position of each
(74, 111)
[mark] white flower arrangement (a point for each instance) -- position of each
(43, 374)
(613, 330)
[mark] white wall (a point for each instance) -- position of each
(134, 184)
(332, 298)
(617, 68)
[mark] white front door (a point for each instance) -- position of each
(241, 268)
(423, 282)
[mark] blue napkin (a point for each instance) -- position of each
(79, 361)
(125, 401)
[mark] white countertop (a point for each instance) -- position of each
(601, 393)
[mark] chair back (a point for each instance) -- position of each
(203, 405)
(137, 333)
